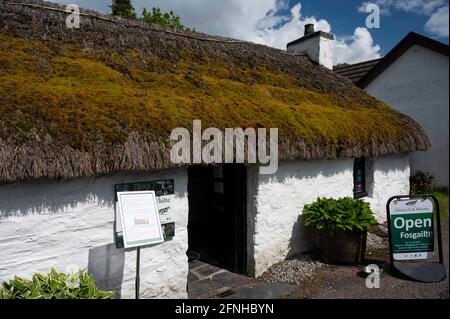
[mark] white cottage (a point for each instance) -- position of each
(86, 112)
(413, 78)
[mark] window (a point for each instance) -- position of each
(359, 176)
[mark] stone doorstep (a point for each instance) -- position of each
(202, 269)
(226, 285)
(209, 281)
(252, 291)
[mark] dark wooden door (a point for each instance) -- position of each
(236, 203)
(226, 235)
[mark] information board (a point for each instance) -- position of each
(165, 196)
(139, 217)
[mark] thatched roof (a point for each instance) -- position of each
(105, 97)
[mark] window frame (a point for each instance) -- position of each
(360, 164)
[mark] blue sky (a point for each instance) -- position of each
(276, 22)
(344, 17)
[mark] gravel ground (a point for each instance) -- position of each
(301, 267)
(292, 271)
(346, 282)
(375, 242)
(315, 279)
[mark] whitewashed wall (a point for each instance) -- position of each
(390, 178)
(69, 223)
(275, 202)
(279, 200)
(417, 85)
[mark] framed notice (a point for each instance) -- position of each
(165, 196)
(139, 217)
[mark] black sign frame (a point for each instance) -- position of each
(421, 272)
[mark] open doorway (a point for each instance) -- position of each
(217, 227)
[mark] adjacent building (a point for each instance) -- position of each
(413, 78)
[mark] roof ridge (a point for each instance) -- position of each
(140, 24)
(137, 22)
(411, 39)
(355, 64)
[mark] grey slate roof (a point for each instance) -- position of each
(362, 74)
(356, 72)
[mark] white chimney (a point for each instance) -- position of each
(319, 46)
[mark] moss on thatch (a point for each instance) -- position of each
(106, 97)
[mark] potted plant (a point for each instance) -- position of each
(342, 225)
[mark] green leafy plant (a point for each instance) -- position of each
(125, 9)
(421, 183)
(346, 214)
(53, 285)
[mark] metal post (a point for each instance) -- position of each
(391, 248)
(439, 231)
(138, 262)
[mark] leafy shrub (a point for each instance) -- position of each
(123, 8)
(168, 19)
(442, 190)
(347, 214)
(421, 183)
(54, 285)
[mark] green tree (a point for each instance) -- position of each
(123, 8)
(168, 19)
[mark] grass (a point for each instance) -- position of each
(443, 197)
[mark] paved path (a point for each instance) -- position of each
(207, 281)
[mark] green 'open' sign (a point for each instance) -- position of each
(411, 224)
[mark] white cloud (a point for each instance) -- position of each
(262, 21)
(384, 8)
(357, 48)
(437, 10)
(438, 23)
(293, 28)
(425, 7)
(269, 22)
(234, 18)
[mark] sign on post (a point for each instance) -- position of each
(164, 190)
(140, 219)
(140, 223)
(414, 223)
